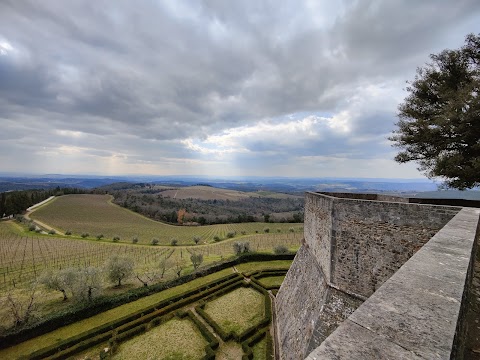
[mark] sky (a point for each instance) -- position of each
(218, 88)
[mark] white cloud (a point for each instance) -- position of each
(246, 88)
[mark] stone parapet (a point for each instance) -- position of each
(353, 245)
(416, 312)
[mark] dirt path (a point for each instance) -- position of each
(40, 224)
(273, 327)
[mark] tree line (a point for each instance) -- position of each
(207, 212)
(17, 202)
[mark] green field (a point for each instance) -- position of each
(238, 310)
(174, 340)
(26, 255)
(259, 350)
(95, 215)
(65, 332)
(269, 281)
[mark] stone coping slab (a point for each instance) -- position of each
(414, 314)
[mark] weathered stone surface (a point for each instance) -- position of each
(298, 303)
(318, 229)
(338, 307)
(355, 246)
(417, 309)
(372, 239)
(307, 309)
(351, 341)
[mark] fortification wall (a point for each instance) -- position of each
(318, 229)
(417, 313)
(296, 306)
(353, 245)
(373, 239)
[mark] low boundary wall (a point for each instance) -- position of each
(355, 246)
(417, 312)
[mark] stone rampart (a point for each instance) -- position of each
(354, 246)
(371, 239)
(415, 314)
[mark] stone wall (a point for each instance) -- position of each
(317, 308)
(300, 297)
(318, 229)
(373, 239)
(351, 245)
(416, 313)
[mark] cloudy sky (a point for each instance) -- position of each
(223, 88)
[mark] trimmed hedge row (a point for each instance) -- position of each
(212, 340)
(255, 277)
(247, 345)
(209, 348)
(248, 332)
(267, 272)
(139, 318)
(268, 314)
(200, 309)
(104, 303)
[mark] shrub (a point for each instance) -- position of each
(196, 259)
(280, 249)
(196, 239)
(135, 240)
(116, 239)
(52, 232)
(68, 232)
(174, 242)
(32, 227)
(216, 238)
(99, 236)
(266, 230)
(291, 229)
(38, 230)
(241, 247)
(244, 232)
(279, 230)
(84, 235)
(155, 241)
(231, 234)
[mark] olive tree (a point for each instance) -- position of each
(119, 268)
(88, 284)
(61, 280)
(196, 260)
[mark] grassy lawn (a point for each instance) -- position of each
(174, 340)
(229, 351)
(271, 280)
(264, 265)
(260, 350)
(65, 332)
(237, 310)
(96, 214)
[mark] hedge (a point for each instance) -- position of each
(104, 303)
(143, 316)
(212, 340)
(254, 277)
(247, 345)
(209, 348)
(248, 332)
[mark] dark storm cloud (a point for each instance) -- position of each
(162, 72)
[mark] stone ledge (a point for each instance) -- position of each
(414, 314)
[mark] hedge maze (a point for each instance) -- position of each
(195, 307)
